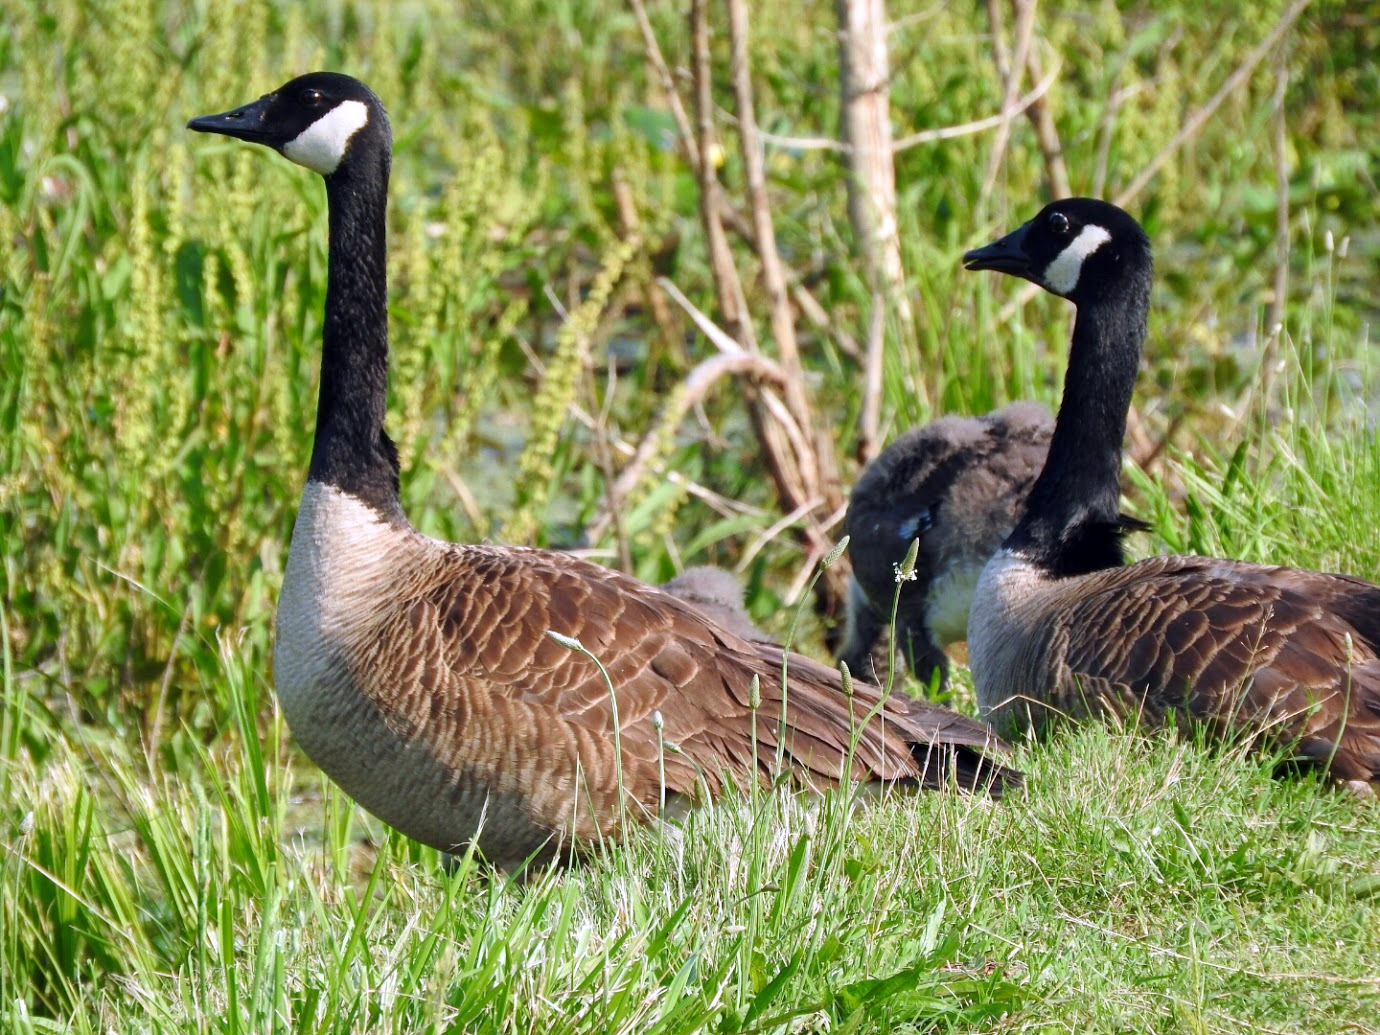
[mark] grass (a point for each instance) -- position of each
(169, 863)
(1145, 884)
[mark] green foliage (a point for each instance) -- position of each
(167, 863)
(558, 390)
(162, 296)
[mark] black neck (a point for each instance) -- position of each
(1072, 523)
(351, 450)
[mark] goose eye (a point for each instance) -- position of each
(312, 98)
(1059, 223)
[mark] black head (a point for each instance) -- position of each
(319, 120)
(1074, 248)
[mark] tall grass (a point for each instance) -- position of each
(168, 863)
(1143, 884)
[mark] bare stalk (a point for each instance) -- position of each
(1046, 133)
(770, 402)
(871, 443)
(1281, 149)
(818, 467)
(604, 456)
(795, 458)
(728, 286)
(1011, 68)
(668, 84)
(1190, 128)
(963, 129)
(807, 303)
(647, 467)
(1106, 129)
(865, 83)
(697, 383)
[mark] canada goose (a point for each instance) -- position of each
(719, 595)
(1059, 625)
(956, 484)
(420, 675)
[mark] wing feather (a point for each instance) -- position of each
(528, 715)
(1240, 645)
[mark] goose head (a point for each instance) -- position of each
(718, 594)
(1075, 248)
(324, 121)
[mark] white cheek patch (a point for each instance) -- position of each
(321, 146)
(1062, 275)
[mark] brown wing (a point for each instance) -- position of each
(1244, 646)
(492, 609)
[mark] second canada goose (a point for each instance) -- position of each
(1060, 626)
(719, 595)
(420, 675)
(957, 485)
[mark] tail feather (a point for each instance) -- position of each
(949, 748)
(961, 753)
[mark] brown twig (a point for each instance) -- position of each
(806, 570)
(1190, 128)
(773, 530)
(156, 727)
(797, 462)
(804, 300)
(930, 136)
(870, 441)
(1274, 326)
(701, 378)
(818, 467)
(818, 538)
(764, 232)
(668, 84)
(819, 317)
(468, 503)
(869, 153)
(717, 502)
(807, 303)
(725, 344)
(604, 457)
(1106, 126)
(781, 445)
(1281, 155)
(728, 286)
(1011, 69)
(1046, 133)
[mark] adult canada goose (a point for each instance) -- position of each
(1059, 625)
(956, 484)
(420, 674)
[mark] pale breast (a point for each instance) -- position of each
(949, 601)
(1005, 627)
(387, 735)
(343, 568)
